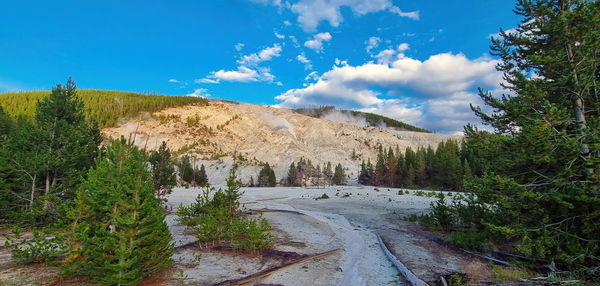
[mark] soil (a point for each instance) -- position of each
(318, 242)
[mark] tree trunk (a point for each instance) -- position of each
(32, 191)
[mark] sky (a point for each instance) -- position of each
(420, 62)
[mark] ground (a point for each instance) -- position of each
(318, 242)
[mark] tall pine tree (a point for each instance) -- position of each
(117, 233)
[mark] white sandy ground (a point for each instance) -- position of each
(349, 224)
(306, 226)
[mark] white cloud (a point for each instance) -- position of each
(434, 93)
(413, 15)
(317, 42)
(279, 36)
(239, 46)
(385, 57)
(312, 12)
(372, 43)
(302, 58)
(173, 80)
(264, 55)
(312, 76)
(388, 56)
(287, 23)
(248, 69)
(199, 92)
(403, 47)
(269, 2)
(497, 35)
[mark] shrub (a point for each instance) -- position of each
(41, 248)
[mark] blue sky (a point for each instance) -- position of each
(414, 61)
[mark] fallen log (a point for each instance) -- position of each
(408, 275)
(250, 279)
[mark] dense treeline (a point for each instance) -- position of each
(443, 168)
(372, 119)
(538, 173)
(105, 107)
(304, 173)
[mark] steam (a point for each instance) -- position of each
(347, 117)
(277, 123)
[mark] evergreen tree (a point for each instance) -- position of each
(419, 168)
(541, 165)
(380, 170)
(117, 233)
(200, 177)
(5, 125)
(163, 172)
(339, 176)
(68, 140)
(391, 169)
(328, 173)
(266, 177)
(186, 171)
(292, 178)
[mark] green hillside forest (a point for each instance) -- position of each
(105, 107)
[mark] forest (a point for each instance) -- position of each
(443, 168)
(105, 107)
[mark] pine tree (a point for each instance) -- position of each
(541, 165)
(163, 172)
(117, 233)
(391, 169)
(380, 170)
(328, 173)
(266, 177)
(201, 178)
(186, 171)
(68, 140)
(339, 176)
(292, 178)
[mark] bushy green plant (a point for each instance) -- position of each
(216, 216)
(42, 247)
(322, 197)
(470, 239)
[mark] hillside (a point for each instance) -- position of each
(358, 117)
(216, 133)
(105, 107)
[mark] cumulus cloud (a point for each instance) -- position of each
(413, 15)
(239, 46)
(269, 2)
(264, 55)
(302, 58)
(434, 93)
(199, 92)
(173, 80)
(317, 42)
(387, 56)
(248, 69)
(279, 36)
(312, 12)
(372, 43)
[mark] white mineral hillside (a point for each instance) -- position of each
(213, 134)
